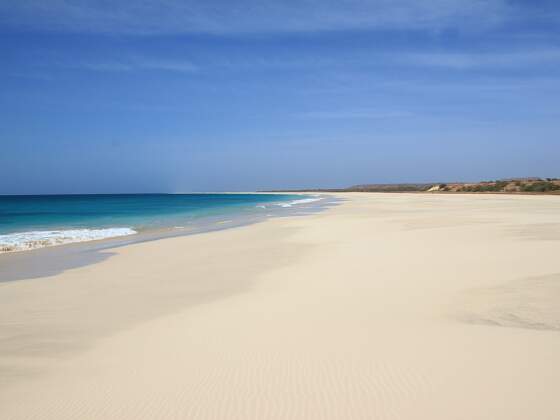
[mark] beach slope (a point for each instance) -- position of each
(387, 306)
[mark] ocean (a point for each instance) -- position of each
(31, 222)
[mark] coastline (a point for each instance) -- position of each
(385, 306)
(32, 222)
(50, 260)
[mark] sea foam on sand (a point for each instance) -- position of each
(23, 241)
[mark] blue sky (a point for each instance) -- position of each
(146, 96)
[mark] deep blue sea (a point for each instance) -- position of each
(29, 222)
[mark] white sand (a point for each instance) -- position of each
(385, 307)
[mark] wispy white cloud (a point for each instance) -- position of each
(169, 65)
(501, 58)
(341, 70)
(132, 64)
(248, 16)
(361, 113)
(463, 61)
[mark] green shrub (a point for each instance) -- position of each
(540, 186)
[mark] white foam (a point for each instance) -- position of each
(24, 241)
(300, 201)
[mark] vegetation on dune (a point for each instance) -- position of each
(515, 185)
(542, 186)
(529, 185)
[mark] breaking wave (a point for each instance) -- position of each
(292, 203)
(300, 201)
(24, 241)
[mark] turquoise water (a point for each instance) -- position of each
(28, 222)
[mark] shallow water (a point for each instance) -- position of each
(30, 222)
(47, 261)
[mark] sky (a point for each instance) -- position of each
(100, 96)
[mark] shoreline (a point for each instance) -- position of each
(385, 306)
(553, 193)
(51, 260)
(33, 234)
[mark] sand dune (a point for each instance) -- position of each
(526, 303)
(385, 307)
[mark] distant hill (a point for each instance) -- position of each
(507, 186)
(389, 187)
(368, 188)
(513, 185)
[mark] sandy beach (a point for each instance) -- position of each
(387, 306)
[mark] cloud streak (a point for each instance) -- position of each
(361, 113)
(248, 16)
(135, 64)
(466, 61)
